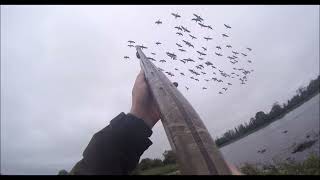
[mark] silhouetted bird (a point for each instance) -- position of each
(188, 43)
(202, 25)
(201, 53)
(198, 17)
(179, 33)
(179, 28)
(158, 22)
(185, 29)
(207, 38)
(218, 54)
(183, 61)
(150, 58)
(176, 15)
(228, 27)
(192, 36)
(178, 45)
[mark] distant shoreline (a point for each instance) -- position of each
(267, 124)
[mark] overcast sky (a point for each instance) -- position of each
(63, 76)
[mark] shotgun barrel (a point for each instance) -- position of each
(197, 153)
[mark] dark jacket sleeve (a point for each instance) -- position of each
(117, 148)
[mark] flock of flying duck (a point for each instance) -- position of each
(198, 71)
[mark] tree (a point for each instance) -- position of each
(157, 163)
(169, 157)
(145, 164)
(63, 172)
(261, 118)
(276, 110)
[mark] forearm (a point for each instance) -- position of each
(117, 148)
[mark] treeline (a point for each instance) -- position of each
(277, 111)
(147, 163)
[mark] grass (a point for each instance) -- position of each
(311, 166)
(168, 169)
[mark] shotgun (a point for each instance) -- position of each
(197, 153)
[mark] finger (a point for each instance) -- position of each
(141, 76)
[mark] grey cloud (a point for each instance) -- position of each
(63, 76)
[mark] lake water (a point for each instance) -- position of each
(299, 123)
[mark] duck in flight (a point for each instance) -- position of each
(179, 33)
(158, 22)
(179, 28)
(176, 15)
(185, 29)
(224, 35)
(192, 36)
(201, 53)
(195, 19)
(218, 54)
(207, 38)
(202, 25)
(150, 58)
(143, 47)
(227, 26)
(198, 17)
(188, 43)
